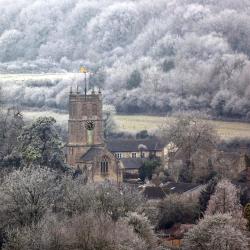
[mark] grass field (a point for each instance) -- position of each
(225, 129)
(135, 123)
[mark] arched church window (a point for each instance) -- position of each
(104, 166)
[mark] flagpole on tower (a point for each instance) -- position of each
(85, 71)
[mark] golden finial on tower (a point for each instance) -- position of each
(83, 70)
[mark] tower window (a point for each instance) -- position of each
(104, 166)
(94, 109)
(84, 110)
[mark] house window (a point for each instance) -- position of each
(118, 155)
(104, 166)
(142, 155)
(152, 154)
(133, 155)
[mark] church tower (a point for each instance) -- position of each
(85, 124)
(86, 150)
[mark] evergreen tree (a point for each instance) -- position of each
(147, 169)
(40, 143)
(134, 80)
(168, 65)
(206, 194)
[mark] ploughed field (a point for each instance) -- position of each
(135, 123)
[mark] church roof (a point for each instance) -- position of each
(91, 154)
(133, 145)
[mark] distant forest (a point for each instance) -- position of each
(149, 57)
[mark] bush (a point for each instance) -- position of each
(177, 209)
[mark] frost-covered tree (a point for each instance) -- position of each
(143, 228)
(225, 199)
(85, 231)
(109, 125)
(40, 143)
(200, 50)
(206, 194)
(215, 232)
(103, 198)
(11, 124)
(26, 195)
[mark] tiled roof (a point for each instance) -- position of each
(173, 187)
(132, 145)
(151, 192)
(132, 163)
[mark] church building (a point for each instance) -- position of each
(86, 149)
(88, 152)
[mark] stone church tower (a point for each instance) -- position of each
(86, 149)
(84, 125)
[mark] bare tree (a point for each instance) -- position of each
(195, 140)
(109, 125)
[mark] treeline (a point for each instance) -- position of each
(149, 57)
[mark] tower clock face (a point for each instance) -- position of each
(90, 125)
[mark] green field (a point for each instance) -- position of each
(135, 123)
(225, 129)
